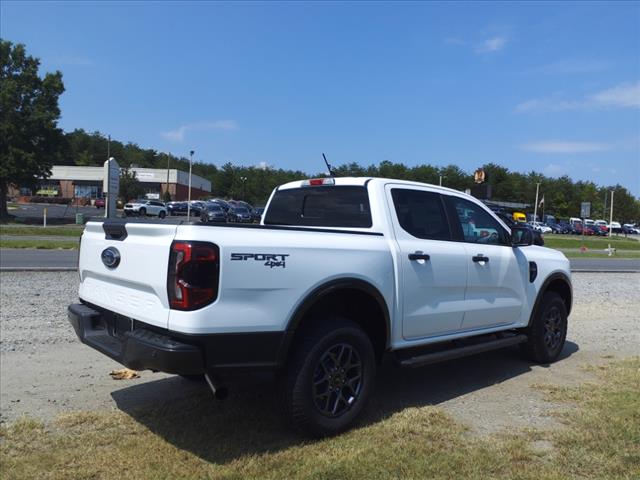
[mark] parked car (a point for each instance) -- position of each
(177, 208)
(99, 203)
(540, 227)
(213, 212)
(615, 227)
(240, 215)
(341, 272)
(144, 207)
(258, 212)
(630, 229)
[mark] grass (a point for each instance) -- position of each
(198, 438)
(598, 243)
(70, 231)
(39, 244)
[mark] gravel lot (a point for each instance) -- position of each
(44, 370)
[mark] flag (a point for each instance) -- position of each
(541, 201)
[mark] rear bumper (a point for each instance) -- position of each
(139, 346)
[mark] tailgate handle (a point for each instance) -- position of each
(114, 231)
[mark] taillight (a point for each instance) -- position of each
(194, 269)
(317, 182)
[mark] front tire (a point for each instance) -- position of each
(162, 214)
(329, 379)
(547, 331)
(142, 212)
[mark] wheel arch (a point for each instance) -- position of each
(374, 318)
(560, 283)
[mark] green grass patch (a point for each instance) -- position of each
(70, 231)
(198, 438)
(39, 244)
(577, 241)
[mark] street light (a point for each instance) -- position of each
(441, 177)
(189, 198)
(244, 191)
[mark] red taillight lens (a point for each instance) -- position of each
(194, 269)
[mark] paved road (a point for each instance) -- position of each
(33, 259)
(28, 258)
(605, 264)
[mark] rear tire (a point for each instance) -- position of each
(162, 214)
(329, 378)
(547, 331)
(142, 212)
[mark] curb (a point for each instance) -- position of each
(591, 270)
(38, 269)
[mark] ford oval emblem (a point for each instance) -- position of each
(110, 257)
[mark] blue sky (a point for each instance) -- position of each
(552, 87)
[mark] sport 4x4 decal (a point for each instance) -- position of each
(270, 259)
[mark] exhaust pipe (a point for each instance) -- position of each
(219, 392)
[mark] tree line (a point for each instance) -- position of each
(562, 196)
(31, 142)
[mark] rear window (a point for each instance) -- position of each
(331, 206)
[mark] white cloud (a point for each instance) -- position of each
(555, 170)
(559, 146)
(626, 95)
(178, 134)
(492, 44)
(263, 166)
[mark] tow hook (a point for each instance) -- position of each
(219, 391)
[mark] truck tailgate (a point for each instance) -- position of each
(137, 286)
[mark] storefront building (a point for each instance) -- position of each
(86, 182)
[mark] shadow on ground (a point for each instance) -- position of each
(185, 414)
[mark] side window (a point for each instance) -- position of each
(477, 225)
(421, 214)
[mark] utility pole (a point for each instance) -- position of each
(244, 189)
(611, 216)
(189, 200)
(441, 177)
(168, 158)
(535, 207)
(108, 147)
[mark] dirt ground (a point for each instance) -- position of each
(44, 370)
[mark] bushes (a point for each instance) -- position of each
(56, 200)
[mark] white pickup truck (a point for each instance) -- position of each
(340, 272)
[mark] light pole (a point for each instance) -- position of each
(244, 190)
(168, 158)
(611, 216)
(441, 177)
(189, 198)
(535, 207)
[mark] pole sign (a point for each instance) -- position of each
(111, 186)
(585, 209)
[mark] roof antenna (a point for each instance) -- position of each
(328, 165)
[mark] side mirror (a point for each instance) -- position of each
(521, 237)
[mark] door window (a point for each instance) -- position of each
(421, 213)
(476, 224)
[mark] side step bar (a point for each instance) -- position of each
(444, 355)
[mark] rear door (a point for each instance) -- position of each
(433, 269)
(136, 286)
(497, 274)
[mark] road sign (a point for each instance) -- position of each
(585, 209)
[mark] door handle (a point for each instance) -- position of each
(480, 258)
(419, 256)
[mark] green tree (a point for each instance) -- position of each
(30, 140)
(130, 186)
